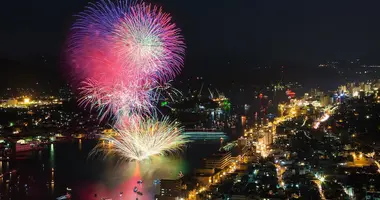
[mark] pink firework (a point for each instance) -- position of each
(117, 99)
(149, 42)
(123, 52)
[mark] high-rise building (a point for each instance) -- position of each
(367, 88)
(306, 96)
(342, 89)
(326, 100)
(362, 86)
(243, 121)
(355, 91)
(362, 94)
(268, 138)
(242, 142)
(218, 160)
(315, 92)
(170, 189)
(281, 109)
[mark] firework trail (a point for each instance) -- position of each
(118, 100)
(144, 139)
(123, 102)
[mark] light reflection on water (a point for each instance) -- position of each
(49, 172)
(80, 144)
(52, 156)
(124, 177)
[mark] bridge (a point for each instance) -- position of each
(204, 135)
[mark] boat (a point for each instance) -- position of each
(25, 147)
(67, 196)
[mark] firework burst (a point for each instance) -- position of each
(143, 140)
(118, 100)
(125, 102)
(129, 44)
(148, 40)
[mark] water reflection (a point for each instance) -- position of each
(39, 155)
(6, 185)
(124, 177)
(52, 156)
(80, 144)
(52, 165)
(67, 165)
(52, 188)
(2, 173)
(6, 167)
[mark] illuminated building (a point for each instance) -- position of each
(206, 176)
(243, 121)
(342, 89)
(326, 100)
(281, 109)
(355, 91)
(372, 195)
(361, 94)
(367, 88)
(170, 189)
(290, 93)
(268, 138)
(315, 92)
(12, 102)
(306, 96)
(218, 160)
(26, 100)
(242, 142)
(109, 132)
(221, 100)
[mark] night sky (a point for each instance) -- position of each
(217, 31)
